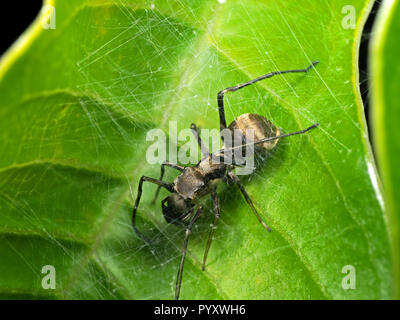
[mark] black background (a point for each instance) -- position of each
(254, 309)
(15, 17)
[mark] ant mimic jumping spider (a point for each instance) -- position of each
(181, 207)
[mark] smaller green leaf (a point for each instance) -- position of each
(385, 80)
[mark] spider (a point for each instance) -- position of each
(194, 182)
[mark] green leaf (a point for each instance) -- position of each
(385, 112)
(77, 102)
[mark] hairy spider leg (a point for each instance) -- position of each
(166, 185)
(196, 133)
(236, 180)
(163, 165)
(315, 125)
(222, 120)
(184, 250)
(213, 227)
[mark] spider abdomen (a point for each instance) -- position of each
(262, 127)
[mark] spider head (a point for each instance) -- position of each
(176, 209)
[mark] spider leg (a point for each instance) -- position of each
(213, 227)
(166, 185)
(236, 180)
(163, 165)
(227, 150)
(222, 120)
(196, 133)
(184, 250)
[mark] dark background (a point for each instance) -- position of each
(363, 62)
(17, 17)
